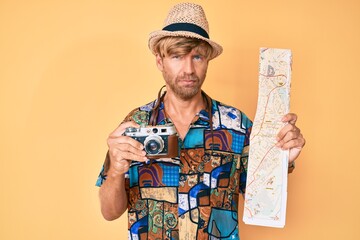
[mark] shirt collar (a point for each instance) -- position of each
(203, 115)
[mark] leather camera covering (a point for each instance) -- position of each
(173, 148)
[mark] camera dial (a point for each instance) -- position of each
(131, 129)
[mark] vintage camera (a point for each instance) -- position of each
(159, 141)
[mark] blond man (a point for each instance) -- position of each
(194, 193)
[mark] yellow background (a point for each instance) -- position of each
(70, 70)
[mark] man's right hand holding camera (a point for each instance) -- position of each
(122, 150)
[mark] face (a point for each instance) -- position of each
(184, 74)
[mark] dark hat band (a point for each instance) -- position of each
(189, 27)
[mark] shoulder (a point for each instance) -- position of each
(140, 114)
(226, 116)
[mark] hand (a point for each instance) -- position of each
(123, 149)
(290, 137)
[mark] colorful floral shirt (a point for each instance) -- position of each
(195, 195)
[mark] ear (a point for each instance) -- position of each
(159, 62)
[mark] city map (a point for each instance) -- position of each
(266, 189)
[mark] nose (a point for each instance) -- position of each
(188, 65)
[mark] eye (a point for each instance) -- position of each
(198, 57)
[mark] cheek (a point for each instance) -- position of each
(201, 72)
(172, 68)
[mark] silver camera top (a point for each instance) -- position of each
(149, 130)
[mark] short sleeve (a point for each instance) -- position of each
(102, 176)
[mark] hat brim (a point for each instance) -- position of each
(157, 35)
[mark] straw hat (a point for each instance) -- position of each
(185, 20)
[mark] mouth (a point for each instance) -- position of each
(187, 83)
(188, 80)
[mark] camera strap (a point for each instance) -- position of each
(155, 110)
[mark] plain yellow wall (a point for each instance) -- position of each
(70, 70)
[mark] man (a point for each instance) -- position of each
(195, 194)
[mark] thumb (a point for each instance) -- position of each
(119, 131)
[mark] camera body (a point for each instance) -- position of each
(159, 141)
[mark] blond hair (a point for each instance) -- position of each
(182, 45)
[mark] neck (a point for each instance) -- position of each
(182, 112)
(181, 108)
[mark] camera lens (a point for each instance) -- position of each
(153, 144)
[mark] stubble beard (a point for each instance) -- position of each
(184, 92)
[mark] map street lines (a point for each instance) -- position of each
(266, 188)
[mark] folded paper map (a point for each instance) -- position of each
(266, 188)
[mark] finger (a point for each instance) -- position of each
(290, 118)
(287, 128)
(119, 131)
(111, 141)
(293, 143)
(130, 156)
(292, 133)
(130, 148)
(117, 156)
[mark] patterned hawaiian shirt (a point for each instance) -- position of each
(195, 195)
